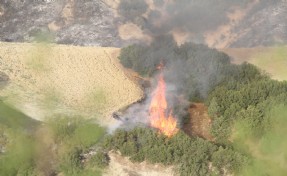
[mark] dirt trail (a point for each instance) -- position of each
(122, 166)
(48, 79)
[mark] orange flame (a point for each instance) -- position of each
(160, 118)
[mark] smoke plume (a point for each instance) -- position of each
(184, 17)
(190, 72)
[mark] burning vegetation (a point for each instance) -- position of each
(247, 109)
(204, 77)
(160, 115)
(239, 99)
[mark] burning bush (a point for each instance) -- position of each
(160, 117)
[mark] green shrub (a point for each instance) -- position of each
(100, 159)
(70, 162)
(18, 157)
(191, 155)
(74, 136)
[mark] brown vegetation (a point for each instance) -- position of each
(200, 122)
(48, 78)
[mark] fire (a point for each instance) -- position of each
(160, 118)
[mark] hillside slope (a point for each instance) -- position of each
(222, 24)
(47, 79)
(74, 22)
(272, 60)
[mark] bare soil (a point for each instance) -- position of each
(130, 31)
(122, 166)
(200, 122)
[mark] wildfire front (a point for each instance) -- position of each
(160, 116)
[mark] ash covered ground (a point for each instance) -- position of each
(87, 23)
(104, 22)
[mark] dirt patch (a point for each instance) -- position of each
(122, 166)
(200, 122)
(46, 79)
(45, 151)
(180, 36)
(130, 31)
(53, 26)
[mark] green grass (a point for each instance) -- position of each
(18, 158)
(15, 119)
(74, 136)
(269, 152)
(21, 138)
(18, 144)
(274, 61)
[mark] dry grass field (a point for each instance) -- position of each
(273, 60)
(47, 79)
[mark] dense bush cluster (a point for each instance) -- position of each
(245, 96)
(193, 156)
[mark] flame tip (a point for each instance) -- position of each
(159, 118)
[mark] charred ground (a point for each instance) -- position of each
(218, 24)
